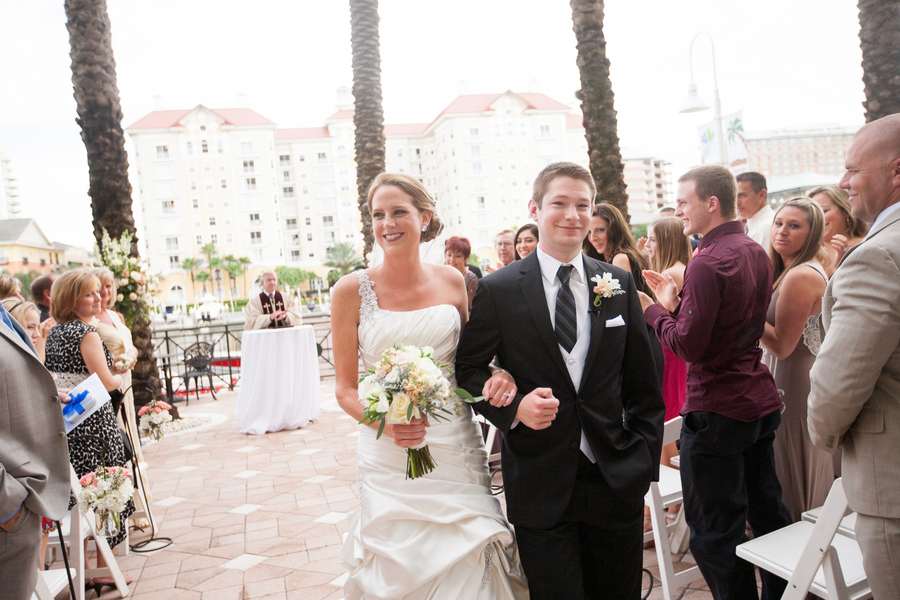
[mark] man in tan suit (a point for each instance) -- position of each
(34, 459)
(854, 400)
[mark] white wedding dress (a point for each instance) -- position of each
(441, 536)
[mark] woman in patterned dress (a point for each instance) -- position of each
(75, 352)
(790, 344)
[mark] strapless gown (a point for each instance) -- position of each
(441, 536)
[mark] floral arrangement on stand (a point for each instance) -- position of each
(107, 491)
(153, 417)
(134, 294)
(405, 384)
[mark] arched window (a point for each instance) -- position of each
(204, 147)
(176, 294)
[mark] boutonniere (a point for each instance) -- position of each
(605, 287)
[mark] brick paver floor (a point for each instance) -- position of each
(257, 516)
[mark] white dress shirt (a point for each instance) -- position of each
(578, 284)
(759, 226)
(882, 216)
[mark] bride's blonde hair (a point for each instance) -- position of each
(421, 199)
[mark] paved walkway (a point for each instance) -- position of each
(257, 516)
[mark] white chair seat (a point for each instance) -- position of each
(669, 486)
(778, 553)
(51, 583)
(847, 527)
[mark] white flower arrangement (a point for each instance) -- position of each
(123, 361)
(405, 384)
(605, 287)
(106, 490)
(153, 417)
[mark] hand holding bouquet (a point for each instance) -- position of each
(407, 383)
(123, 362)
(106, 490)
(153, 417)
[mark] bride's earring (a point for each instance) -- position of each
(424, 229)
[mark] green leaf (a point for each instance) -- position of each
(409, 411)
(464, 395)
(380, 429)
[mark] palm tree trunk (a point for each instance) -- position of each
(879, 37)
(100, 118)
(369, 114)
(596, 95)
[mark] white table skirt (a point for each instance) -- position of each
(279, 380)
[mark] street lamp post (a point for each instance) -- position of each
(695, 103)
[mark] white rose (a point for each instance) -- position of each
(119, 298)
(428, 350)
(399, 408)
(116, 262)
(132, 296)
(136, 275)
(427, 367)
(123, 281)
(384, 404)
(393, 376)
(365, 386)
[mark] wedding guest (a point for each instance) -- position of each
(790, 343)
(842, 230)
(28, 316)
(34, 460)
(610, 239)
(456, 254)
(10, 287)
(75, 352)
(505, 245)
(753, 205)
(40, 293)
(732, 407)
(271, 309)
(854, 400)
(670, 252)
(526, 240)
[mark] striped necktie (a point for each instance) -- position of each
(566, 320)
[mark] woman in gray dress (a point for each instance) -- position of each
(790, 344)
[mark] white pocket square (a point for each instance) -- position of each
(617, 322)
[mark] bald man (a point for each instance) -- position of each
(854, 398)
(271, 309)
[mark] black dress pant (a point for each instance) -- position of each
(593, 552)
(728, 478)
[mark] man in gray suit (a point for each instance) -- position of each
(854, 399)
(34, 459)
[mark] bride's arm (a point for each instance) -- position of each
(345, 303)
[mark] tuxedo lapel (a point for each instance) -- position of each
(16, 338)
(532, 286)
(595, 314)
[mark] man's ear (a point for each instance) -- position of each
(713, 205)
(532, 209)
(895, 173)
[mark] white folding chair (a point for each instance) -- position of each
(83, 527)
(50, 583)
(813, 558)
(661, 495)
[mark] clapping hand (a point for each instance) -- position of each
(642, 245)
(841, 244)
(538, 409)
(500, 389)
(665, 289)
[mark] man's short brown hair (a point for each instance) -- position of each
(40, 285)
(560, 169)
(714, 180)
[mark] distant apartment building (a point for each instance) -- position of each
(24, 249)
(285, 196)
(791, 151)
(648, 182)
(9, 190)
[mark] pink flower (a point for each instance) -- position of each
(143, 410)
(163, 405)
(88, 480)
(157, 409)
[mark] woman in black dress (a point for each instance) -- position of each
(74, 352)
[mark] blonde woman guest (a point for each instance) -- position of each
(75, 352)
(791, 341)
(526, 240)
(29, 317)
(842, 230)
(10, 287)
(670, 250)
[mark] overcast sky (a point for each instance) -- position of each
(793, 63)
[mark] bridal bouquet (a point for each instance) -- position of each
(406, 383)
(153, 417)
(107, 491)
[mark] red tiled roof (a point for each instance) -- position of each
(341, 115)
(477, 103)
(302, 133)
(406, 129)
(235, 117)
(574, 122)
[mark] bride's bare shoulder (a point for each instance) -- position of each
(346, 288)
(447, 274)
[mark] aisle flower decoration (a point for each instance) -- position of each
(153, 417)
(133, 297)
(107, 491)
(408, 383)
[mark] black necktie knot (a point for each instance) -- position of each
(563, 274)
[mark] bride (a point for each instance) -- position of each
(442, 536)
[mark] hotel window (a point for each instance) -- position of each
(193, 184)
(328, 221)
(308, 221)
(400, 152)
(174, 262)
(545, 131)
(249, 166)
(251, 183)
(204, 147)
(208, 184)
(212, 221)
(199, 240)
(223, 183)
(223, 165)
(284, 160)
(246, 148)
(255, 238)
(168, 207)
(476, 168)
(190, 148)
(192, 166)
(207, 166)
(254, 219)
(162, 152)
(226, 220)
(475, 151)
(198, 223)
(226, 202)
(323, 157)
(171, 244)
(288, 192)
(213, 238)
(290, 224)
(309, 237)
(301, 158)
(286, 176)
(220, 147)
(195, 202)
(295, 256)
(480, 203)
(229, 238)
(210, 202)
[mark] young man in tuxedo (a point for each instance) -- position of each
(582, 436)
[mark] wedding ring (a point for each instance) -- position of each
(506, 393)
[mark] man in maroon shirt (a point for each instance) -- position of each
(732, 408)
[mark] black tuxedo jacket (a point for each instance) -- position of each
(618, 404)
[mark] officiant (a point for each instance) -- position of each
(271, 309)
